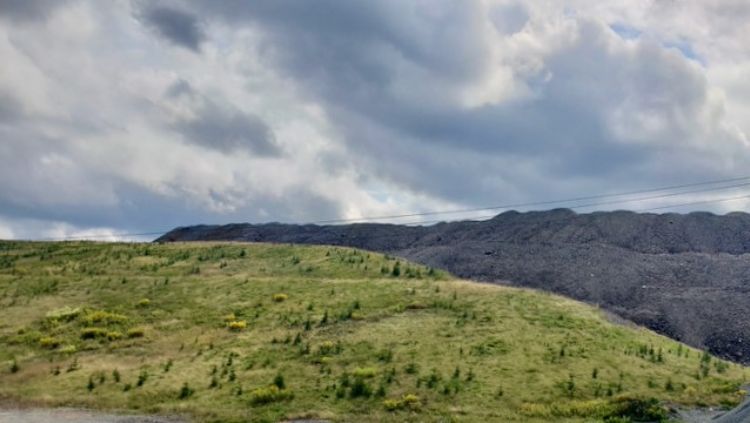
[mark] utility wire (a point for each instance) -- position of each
(671, 206)
(510, 206)
(580, 206)
(536, 203)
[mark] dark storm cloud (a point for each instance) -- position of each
(176, 26)
(351, 57)
(29, 10)
(10, 109)
(387, 105)
(229, 130)
(354, 40)
(221, 126)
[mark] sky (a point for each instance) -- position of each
(130, 116)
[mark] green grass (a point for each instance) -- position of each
(254, 332)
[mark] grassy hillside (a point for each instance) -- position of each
(237, 332)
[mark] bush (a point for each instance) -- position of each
(416, 306)
(230, 318)
(385, 355)
(269, 394)
(103, 317)
(144, 302)
(114, 335)
(93, 333)
(360, 388)
(326, 348)
(365, 372)
(136, 333)
(185, 392)
(280, 297)
(278, 381)
(408, 401)
(65, 313)
(237, 325)
(396, 272)
(639, 409)
(49, 342)
(142, 377)
(68, 349)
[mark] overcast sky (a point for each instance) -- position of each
(131, 116)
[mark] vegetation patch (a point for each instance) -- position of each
(337, 334)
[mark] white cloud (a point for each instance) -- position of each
(369, 109)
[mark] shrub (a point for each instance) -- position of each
(278, 381)
(327, 347)
(136, 332)
(185, 391)
(49, 342)
(142, 377)
(93, 333)
(380, 393)
(114, 335)
(237, 325)
(385, 355)
(416, 306)
(324, 319)
(116, 375)
(14, 368)
(392, 404)
(411, 368)
(230, 318)
(396, 272)
(639, 409)
(269, 394)
(280, 297)
(407, 401)
(65, 313)
(68, 349)
(144, 302)
(365, 372)
(360, 388)
(103, 317)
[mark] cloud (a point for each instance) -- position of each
(29, 10)
(176, 26)
(222, 127)
(10, 109)
(581, 101)
(298, 111)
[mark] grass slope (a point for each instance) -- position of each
(237, 332)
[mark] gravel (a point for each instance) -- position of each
(62, 415)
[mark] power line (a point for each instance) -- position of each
(671, 206)
(693, 203)
(510, 206)
(535, 203)
(601, 203)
